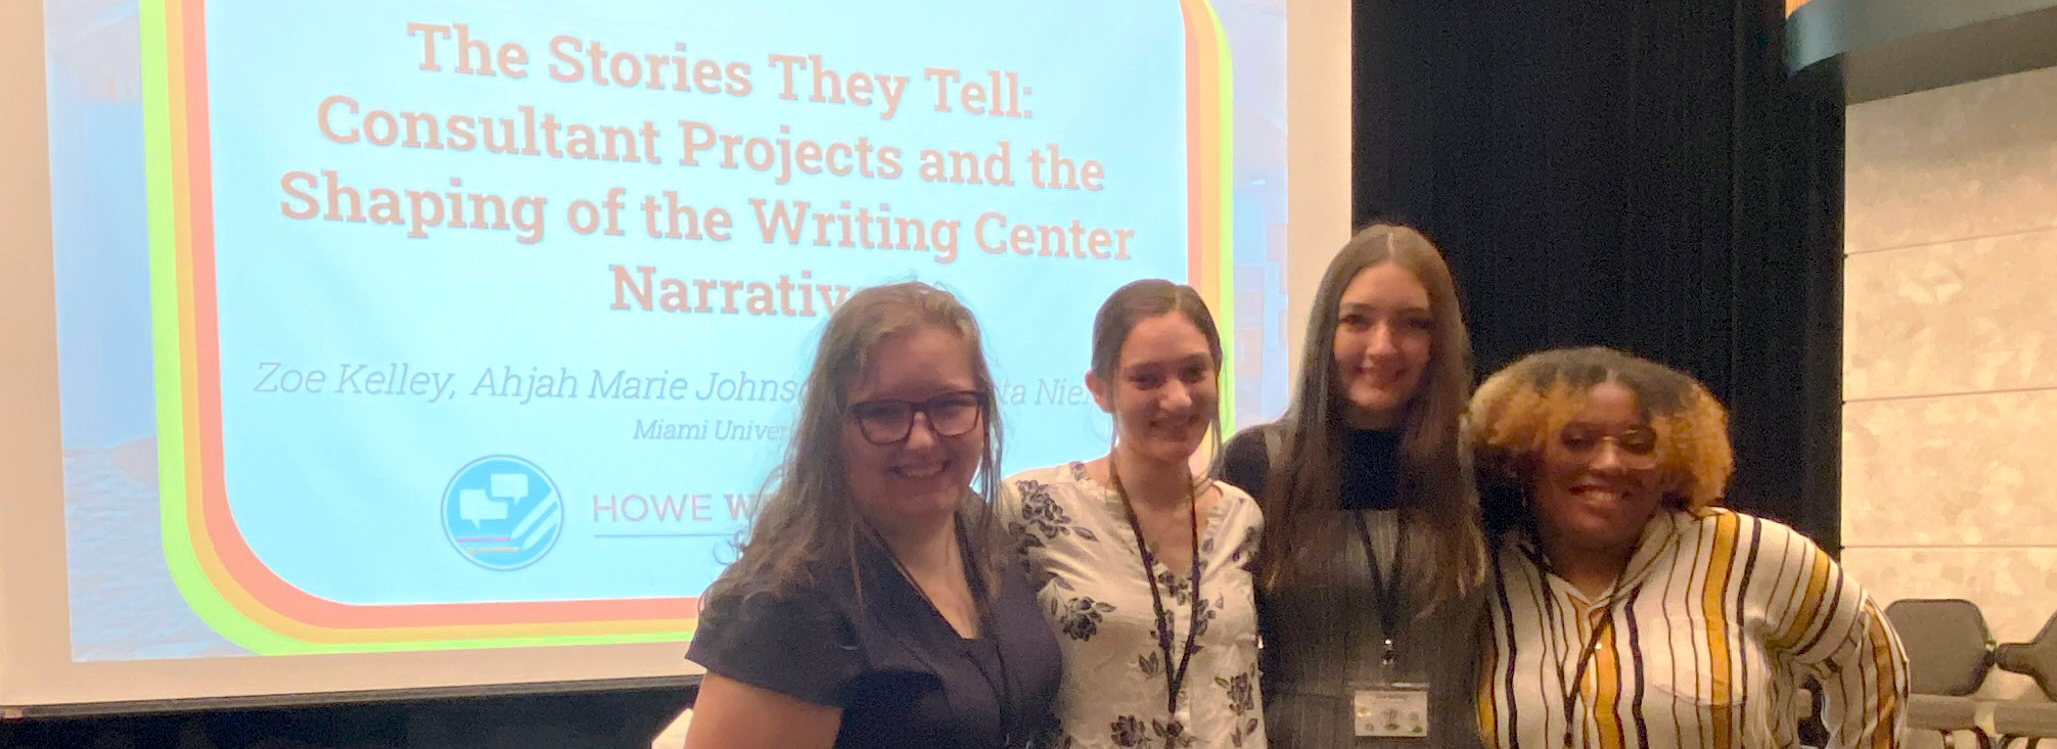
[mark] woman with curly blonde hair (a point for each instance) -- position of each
(1626, 608)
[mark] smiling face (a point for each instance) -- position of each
(1162, 393)
(926, 474)
(1597, 482)
(1384, 327)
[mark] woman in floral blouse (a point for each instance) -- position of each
(1143, 567)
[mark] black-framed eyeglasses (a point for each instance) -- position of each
(888, 422)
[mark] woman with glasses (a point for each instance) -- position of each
(875, 602)
(1627, 610)
(1142, 566)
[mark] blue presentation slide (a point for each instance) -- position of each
(408, 325)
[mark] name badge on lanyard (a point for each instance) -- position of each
(1391, 711)
(1388, 706)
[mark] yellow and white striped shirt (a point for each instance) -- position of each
(1704, 641)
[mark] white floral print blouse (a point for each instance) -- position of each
(1086, 571)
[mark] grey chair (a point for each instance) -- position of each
(1949, 652)
(2036, 659)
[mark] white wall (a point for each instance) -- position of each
(1950, 351)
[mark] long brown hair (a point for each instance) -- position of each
(805, 523)
(1435, 488)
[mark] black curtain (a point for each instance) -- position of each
(1637, 174)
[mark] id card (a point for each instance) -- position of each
(1391, 710)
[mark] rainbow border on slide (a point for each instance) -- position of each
(216, 571)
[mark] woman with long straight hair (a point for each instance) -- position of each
(875, 602)
(1372, 558)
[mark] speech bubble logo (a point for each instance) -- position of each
(510, 486)
(502, 512)
(474, 505)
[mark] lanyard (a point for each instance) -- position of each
(1174, 678)
(1592, 645)
(1578, 675)
(1585, 658)
(1386, 603)
(1003, 689)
